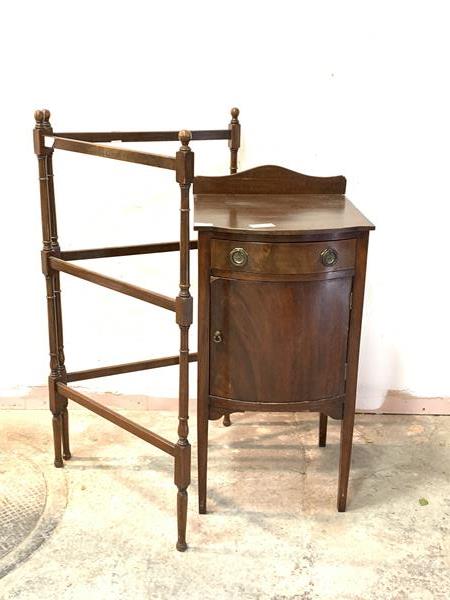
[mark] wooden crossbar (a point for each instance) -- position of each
(113, 284)
(124, 250)
(143, 158)
(142, 365)
(142, 136)
(117, 419)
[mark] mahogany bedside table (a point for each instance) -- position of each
(282, 263)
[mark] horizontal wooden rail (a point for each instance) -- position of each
(124, 250)
(117, 419)
(142, 136)
(113, 284)
(142, 365)
(133, 156)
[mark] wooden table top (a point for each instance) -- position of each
(277, 213)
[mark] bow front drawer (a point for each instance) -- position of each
(282, 258)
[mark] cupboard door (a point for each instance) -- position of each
(279, 341)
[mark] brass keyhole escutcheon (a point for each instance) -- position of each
(238, 257)
(328, 257)
(217, 337)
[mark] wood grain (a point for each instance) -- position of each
(298, 356)
(133, 156)
(283, 258)
(269, 179)
(286, 214)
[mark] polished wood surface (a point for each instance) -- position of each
(283, 258)
(281, 342)
(279, 327)
(282, 214)
(352, 370)
(269, 179)
(124, 250)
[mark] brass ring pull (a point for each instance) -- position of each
(217, 337)
(328, 257)
(238, 257)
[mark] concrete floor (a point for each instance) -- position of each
(107, 527)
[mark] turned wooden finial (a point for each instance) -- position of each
(234, 115)
(38, 116)
(46, 114)
(42, 127)
(42, 118)
(185, 137)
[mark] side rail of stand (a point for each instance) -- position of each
(55, 261)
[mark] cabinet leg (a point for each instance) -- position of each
(226, 420)
(323, 422)
(65, 432)
(345, 457)
(202, 452)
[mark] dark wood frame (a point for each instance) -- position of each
(54, 261)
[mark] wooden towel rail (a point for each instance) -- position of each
(55, 260)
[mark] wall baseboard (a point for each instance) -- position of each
(404, 402)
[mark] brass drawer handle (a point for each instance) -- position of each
(217, 337)
(329, 257)
(238, 257)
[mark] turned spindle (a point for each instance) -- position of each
(235, 139)
(185, 176)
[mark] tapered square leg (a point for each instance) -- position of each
(323, 422)
(202, 450)
(345, 457)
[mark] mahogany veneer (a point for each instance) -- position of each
(282, 262)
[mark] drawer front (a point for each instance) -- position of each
(283, 258)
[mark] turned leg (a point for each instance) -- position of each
(62, 376)
(182, 502)
(58, 405)
(65, 432)
(56, 422)
(345, 456)
(183, 310)
(226, 420)
(182, 480)
(323, 422)
(55, 408)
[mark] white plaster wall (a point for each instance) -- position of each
(358, 88)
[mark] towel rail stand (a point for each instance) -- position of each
(54, 260)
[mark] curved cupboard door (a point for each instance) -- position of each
(279, 341)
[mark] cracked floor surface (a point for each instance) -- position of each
(272, 530)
